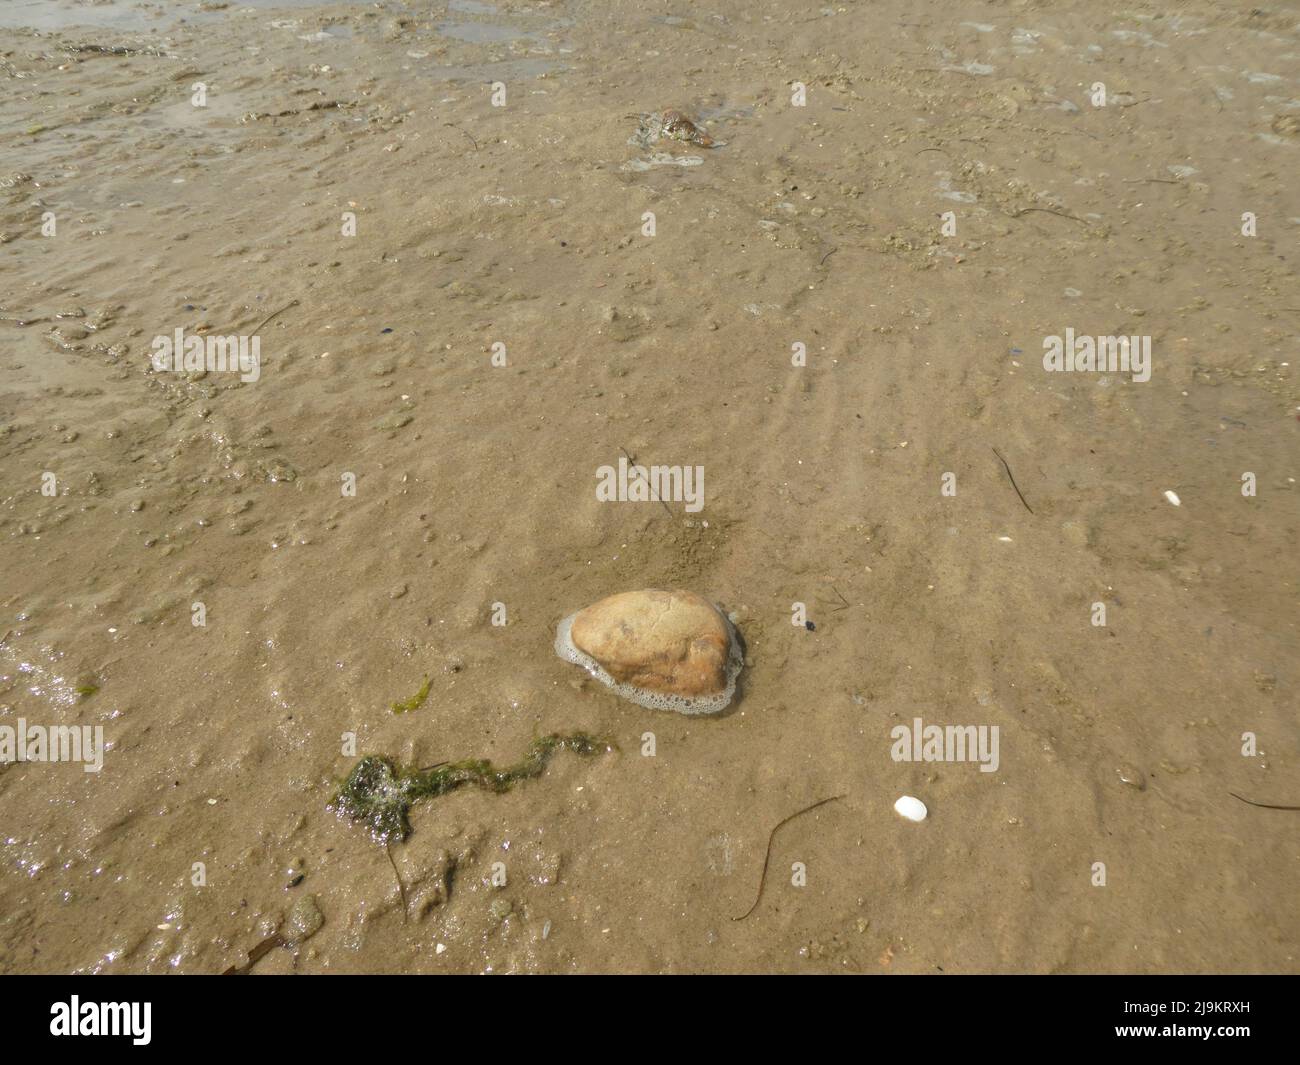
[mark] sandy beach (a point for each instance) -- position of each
(470, 270)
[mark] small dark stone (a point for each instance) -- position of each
(810, 626)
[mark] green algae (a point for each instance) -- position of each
(379, 793)
(85, 691)
(415, 701)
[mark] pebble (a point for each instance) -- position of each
(910, 808)
(666, 650)
(305, 920)
(393, 422)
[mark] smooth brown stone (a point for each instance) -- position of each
(674, 643)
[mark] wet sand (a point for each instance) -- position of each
(522, 225)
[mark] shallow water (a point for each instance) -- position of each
(54, 15)
(523, 226)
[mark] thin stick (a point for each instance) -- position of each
(1013, 481)
(632, 459)
(1050, 210)
(767, 860)
(401, 888)
(257, 954)
(1262, 805)
(291, 303)
(827, 256)
(464, 131)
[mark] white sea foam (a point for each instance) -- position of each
(683, 704)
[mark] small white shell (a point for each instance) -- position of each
(912, 809)
(1173, 498)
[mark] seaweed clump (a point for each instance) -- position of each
(379, 793)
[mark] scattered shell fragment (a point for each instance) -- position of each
(669, 125)
(1173, 498)
(1132, 776)
(681, 128)
(664, 650)
(910, 808)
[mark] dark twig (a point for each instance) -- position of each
(632, 459)
(464, 131)
(1013, 481)
(257, 954)
(291, 303)
(1050, 210)
(827, 256)
(1262, 805)
(401, 888)
(767, 860)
